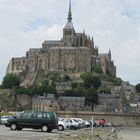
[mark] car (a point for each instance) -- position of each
(94, 123)
(80, 121)
(68, 123)
(100, 122)
(87, 123)
(4, 119)
(62, 124)
(44, 120)
(73, 123)
(107, 124)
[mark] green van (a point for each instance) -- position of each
(44, 120)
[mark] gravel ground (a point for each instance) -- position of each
(87, 134)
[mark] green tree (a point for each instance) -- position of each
(137, 87)
(21, 90)
(91, 97)
(78, 91)
(10, 80)
(66, 78)
(106, 90)
(98, 68)
(90, 80)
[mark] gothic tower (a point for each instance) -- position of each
(68, 31)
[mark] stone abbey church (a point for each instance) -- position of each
(74, 53)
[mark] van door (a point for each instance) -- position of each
(24, 120)
(36, 119)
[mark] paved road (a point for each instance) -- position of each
(128, 133)
(31, 134)
(25, 134)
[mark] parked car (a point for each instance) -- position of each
(72, 123)
(94, 123)
(62, 124)
(107, 124)
(80, 121)
(100, 122)
(87, 123)
(4, 119)
(44, 120)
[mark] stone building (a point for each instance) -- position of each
(61, 87)
(74, 53)
(72, 103)
(17, 65)
(45, 102)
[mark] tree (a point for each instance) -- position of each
(78, 91)
(66, 78)
(10, 80)
(98, 68)
(137, 87)
(21, 90)
(90, 80)
(91, 97)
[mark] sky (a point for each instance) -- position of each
(114, 25)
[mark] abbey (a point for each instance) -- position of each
(74, 53)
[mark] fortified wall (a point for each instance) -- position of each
(118, 119)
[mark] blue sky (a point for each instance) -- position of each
(114, 24)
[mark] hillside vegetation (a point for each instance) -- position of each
(83, 84)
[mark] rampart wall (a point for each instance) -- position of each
(118, 119)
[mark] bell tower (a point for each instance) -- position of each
(68, 30)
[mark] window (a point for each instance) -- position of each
(26, 115)
(37, 115)
(47, 115)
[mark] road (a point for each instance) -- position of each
(127, 133)
(25, 134)
(130, 133)
(31, 134)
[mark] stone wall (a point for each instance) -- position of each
(118, 119)
(24, 100)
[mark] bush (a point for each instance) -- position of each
(10, 80)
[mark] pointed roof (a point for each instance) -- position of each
(69, 13)
(109, 51)
(69, 24)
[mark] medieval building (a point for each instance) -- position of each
(74, 53)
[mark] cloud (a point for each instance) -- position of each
(114, 24)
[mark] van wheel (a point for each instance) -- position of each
(60, 127)
(19, 129)
(49, 130)
(44, 128)
(13, 126)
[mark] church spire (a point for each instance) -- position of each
(109, 53)
(69, 13)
